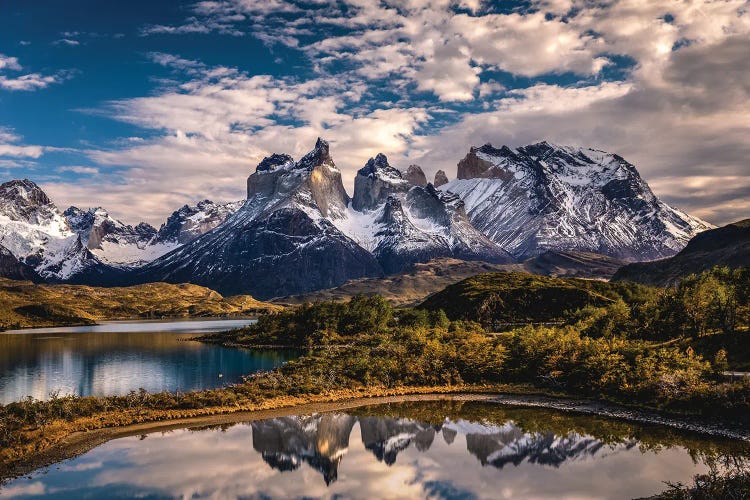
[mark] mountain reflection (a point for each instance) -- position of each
(321, 441)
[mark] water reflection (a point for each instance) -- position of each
(116, 358)
(424, 450)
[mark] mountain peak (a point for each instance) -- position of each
(273, 162)
(320, 155)
(25, 192)
(375, 182)
(415, 175)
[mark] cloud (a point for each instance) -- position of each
(67, 41)
(78, 169)
(9, 63)
(10, 147)
(27, 82)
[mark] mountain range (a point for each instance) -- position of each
(299, 231)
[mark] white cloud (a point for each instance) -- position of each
(10, 147)
(11, 63)
(31, 81)
(79, 169)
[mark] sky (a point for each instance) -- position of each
(143, 106)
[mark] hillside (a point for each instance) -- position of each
(725, 246)
(24, 304)
(414, 285)
(513, 297)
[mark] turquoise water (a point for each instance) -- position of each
(416, 450)
(117, 357)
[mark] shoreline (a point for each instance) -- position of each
(80, 442)
(138, 319)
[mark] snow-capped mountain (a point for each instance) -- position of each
(281, 241)
(403, 223)
(546, 197)
(33, 230)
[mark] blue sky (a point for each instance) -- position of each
(141, 106)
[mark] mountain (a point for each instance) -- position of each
(403, 224)
(546, 197)
(35, 233)
(281, 241)
(440, 179)
(725, 246)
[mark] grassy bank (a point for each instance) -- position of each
(24, 304)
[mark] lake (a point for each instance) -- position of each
(448, 449)
(118, 357)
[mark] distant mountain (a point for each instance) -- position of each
(546, 197)
(725, 246)
(111, 241)
(35, 233)
(191, 221)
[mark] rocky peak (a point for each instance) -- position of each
(274, 161)
(477, 165)
(375, 182)
(24, 201)
(440, 179)
(415, 176)
(320, 155)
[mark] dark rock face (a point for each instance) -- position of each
(375, 182)
(415, 176)
(12, 268)
(283, 253)
(725, 246)
(440, 179)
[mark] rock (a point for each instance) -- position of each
(440, 179)
(415, 176)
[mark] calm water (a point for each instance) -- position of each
(416, 450)
(117, 357)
